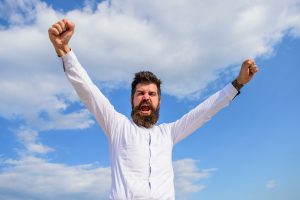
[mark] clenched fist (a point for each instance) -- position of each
(60, 34)
(248, 70)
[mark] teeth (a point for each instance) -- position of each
(145, 108)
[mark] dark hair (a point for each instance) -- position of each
(145, 77)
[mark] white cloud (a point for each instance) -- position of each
(41, 101)
(188, 177)
(271, 184)
(31, 77)
(187, 43)
(29, 139)
(34, 178)
(14, 11)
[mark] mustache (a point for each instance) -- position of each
(145, 103)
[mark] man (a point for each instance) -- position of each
(140, 149)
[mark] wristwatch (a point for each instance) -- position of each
(237, 85)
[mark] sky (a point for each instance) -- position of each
(52, 148)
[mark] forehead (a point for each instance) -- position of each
(146, 87)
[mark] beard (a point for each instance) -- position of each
(145, 121)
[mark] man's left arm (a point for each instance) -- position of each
(216, 102)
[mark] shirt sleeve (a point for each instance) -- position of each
(194, 119)
(90, 94)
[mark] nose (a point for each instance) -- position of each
(146, 97)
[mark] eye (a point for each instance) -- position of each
(139, 93)
(153, 94)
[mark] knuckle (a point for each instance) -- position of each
(61, 23)
(55, 26)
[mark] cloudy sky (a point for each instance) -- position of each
(51, 147)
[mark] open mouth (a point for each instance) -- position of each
(145, 109)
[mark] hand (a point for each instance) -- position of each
(60, 34)
(248, 70)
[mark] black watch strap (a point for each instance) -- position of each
(237, 85)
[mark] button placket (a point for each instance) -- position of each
(149, 179)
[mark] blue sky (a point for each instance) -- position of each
(51, 147)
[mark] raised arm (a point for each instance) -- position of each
(60, 34)
(207, 109)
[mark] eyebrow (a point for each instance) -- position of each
(150, 91)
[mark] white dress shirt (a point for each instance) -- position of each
(141, 158)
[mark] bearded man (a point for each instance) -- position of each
(140, 149)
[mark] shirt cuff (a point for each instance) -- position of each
(230, 91)
(67, 59)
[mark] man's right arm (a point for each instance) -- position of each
(90, 94)
(105, 114)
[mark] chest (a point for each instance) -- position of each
(138, 146)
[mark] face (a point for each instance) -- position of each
(145, 105)
(146, 94)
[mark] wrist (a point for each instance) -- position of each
(237, 84)
(239, 81)
(63, 50)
